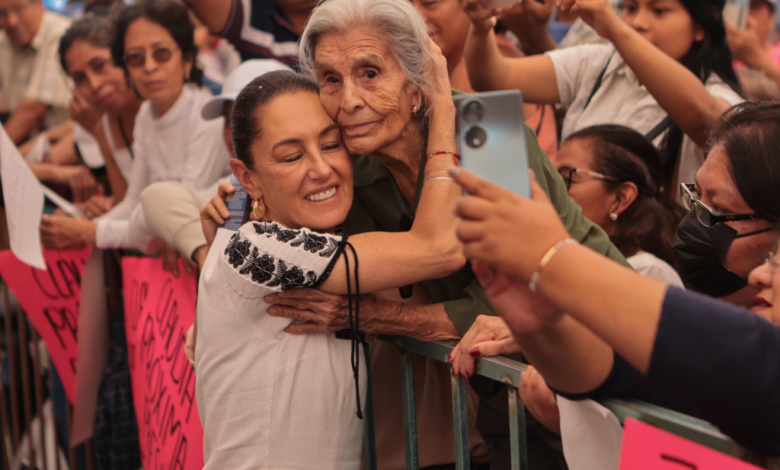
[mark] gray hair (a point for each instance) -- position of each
(401, 26)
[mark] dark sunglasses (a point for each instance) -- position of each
(704, 214)
(160, 55)
(568, 174)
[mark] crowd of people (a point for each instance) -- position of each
(650, 132)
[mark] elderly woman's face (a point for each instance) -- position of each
(301, 168)
(363, 88)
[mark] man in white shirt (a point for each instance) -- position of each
(30, 76)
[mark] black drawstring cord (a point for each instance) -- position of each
(354, 323)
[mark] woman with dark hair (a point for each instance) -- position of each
(295, 396)
(614, 174)
(154, 44)
(628, 336)
(667, 73)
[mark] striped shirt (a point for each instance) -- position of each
(257, 30)
(34, 73)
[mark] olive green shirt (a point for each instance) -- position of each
(379, 206)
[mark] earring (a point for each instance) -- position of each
(613, 216)
(258, 208)
(414, 111)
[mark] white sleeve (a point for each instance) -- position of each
(112, 228)
(265, 256)
(578, 67)
(206, 159)
(724, 92)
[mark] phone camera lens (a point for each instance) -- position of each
(473, 111)
(476, 137)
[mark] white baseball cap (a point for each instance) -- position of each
(236, 81)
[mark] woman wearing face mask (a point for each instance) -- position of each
(670, 346)
(154, 44)
(296, 395)
(449, 27)
(85, 55)
(667, 59)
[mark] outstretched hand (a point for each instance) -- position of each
(509, 233)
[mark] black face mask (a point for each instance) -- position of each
(700, 252)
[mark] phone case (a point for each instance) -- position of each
(491, 138)
(238, 206)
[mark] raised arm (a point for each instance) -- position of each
(488, 70)
(679, 92)
(213, 13)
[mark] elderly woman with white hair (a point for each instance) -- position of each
(372, 64)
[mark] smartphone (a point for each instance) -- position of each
(238, 206)
(491, 138)
(735, 13)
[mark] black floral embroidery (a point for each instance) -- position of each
(264, 269)
(326, 246)
(269, 229)
(261, 268)
(237, 250)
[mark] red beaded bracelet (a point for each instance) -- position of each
(455, 155)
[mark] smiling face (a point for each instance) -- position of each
(766, 279)
(665, 23)
(363, 88)
(301, 168)
(96, 77)
(159, 82)
(718, 191)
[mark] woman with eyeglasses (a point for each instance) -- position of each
(154, 43)
(614, 173)
(628, 336)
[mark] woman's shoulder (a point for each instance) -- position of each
(270, 255)
(647, 264)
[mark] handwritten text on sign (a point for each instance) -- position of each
(648, 448)
(51, 300)
(159, 309)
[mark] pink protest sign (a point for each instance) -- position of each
(159, 309)
(648, 448)
(51, 301)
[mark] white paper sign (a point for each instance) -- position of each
(591, 435)
(23, 203)
(62, 203)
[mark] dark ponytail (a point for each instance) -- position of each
(171, 15)
(625, 155)
(705, 57)
(245, 118)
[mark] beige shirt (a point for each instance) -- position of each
(34, 72)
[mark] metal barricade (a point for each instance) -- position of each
(508, 372)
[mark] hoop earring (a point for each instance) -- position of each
(258, 208)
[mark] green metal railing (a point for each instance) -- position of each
(508, 372)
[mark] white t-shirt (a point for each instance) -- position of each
(268, 399)
(179, 146)
(620, 99)
(650, 265)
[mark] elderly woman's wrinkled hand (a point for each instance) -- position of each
(313, 310)
(488, 336)
(483, 19)
(440, 77)
(215, 212)
(510, 233)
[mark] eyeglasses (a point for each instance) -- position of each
(160, 55)
(568, 172)
(704, 214)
